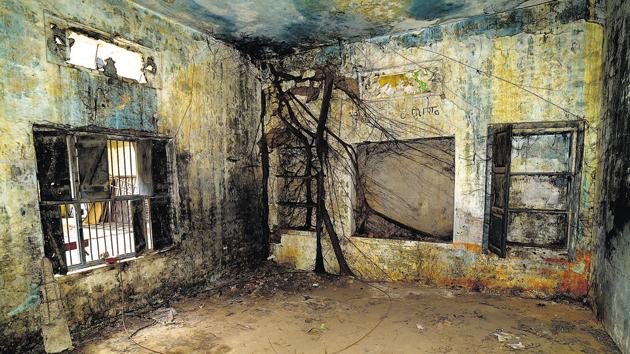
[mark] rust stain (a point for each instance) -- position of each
(472, 247)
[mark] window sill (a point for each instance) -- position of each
(98, 266)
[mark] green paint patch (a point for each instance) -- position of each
(422, 86)
(32, 300)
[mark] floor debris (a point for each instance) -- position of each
(283, 313)
(164, 315)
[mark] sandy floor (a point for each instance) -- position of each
(303, 313)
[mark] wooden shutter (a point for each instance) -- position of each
(501, 155)
(52, 227)
(93, 167)
(160, 167)
(161, 222)
(139, 225)
(53, 165)
(161, 204)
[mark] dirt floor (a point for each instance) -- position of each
(284, 311)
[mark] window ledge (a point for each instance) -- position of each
(104, 265)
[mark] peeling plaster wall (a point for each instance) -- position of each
(208, 99)
(612, 265)
(554, 50)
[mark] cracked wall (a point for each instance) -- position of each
(207, 99)
(551, 51)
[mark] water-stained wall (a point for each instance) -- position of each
(611, 290)
(540, 64)
(207, 100)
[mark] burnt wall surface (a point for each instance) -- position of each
(612, 265)
(207, 99)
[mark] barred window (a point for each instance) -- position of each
(103, 196)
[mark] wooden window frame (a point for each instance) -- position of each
(576, 128)
(159, 201)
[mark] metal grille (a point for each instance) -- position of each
(107, 225)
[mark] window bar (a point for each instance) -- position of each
(69, 256)
(79, 227)
(122, 213)
(125, 168)
(108, 204)
(89, 231)
(111, 234)
(130, 226)
(98, 247)
(77, 205)
(147, 221)
(131, 161)
(112, 187)
(118, 183)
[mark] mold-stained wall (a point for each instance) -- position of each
(539, 64)
(611, 288)
(207, 100)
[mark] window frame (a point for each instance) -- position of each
(573, 175)
(76, 199)
(420, 236)
(285, 178)
(57, 31)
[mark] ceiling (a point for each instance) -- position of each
(283, 25)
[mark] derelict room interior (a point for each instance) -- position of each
(314, 176)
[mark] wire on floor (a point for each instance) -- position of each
(389, 308)
(129, 336)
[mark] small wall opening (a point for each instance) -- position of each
(109, 58)
(405, 189)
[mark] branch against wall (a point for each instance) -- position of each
(296, 97)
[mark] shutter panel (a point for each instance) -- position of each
(93, 167)
(139, 225)
(161, 222)
(160, 207)
(160, 167)
(53, 165)
(501, 155)
(52, 227)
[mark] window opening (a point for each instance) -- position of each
(534, 195)
(114, 211)
(405, 189)
(113, 60)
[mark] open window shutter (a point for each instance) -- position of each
(160, 167)
(160, 204)
(501, 155)
(53, 165)
(93, 167)
(161, 222)
(139, 225)
(52, 227)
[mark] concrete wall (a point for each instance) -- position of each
(611, 290)
(207, 99)
(539, 64)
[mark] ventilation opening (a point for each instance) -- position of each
(405, 189)
(113, 60)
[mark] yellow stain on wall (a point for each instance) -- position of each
(505, 107)
(394, 80)
(125, 100)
